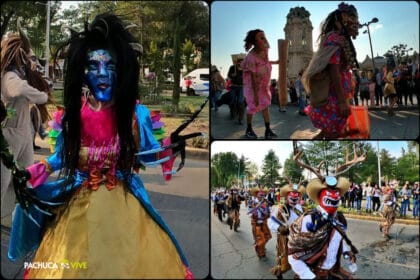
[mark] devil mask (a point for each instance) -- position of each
(329, 198)
(293, 196)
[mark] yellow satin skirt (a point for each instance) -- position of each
(106, 234)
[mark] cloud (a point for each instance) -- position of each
(378, 26)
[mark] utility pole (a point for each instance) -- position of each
(47, 41)
(379, 164)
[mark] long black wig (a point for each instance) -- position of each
(328, 25)
(108, 32)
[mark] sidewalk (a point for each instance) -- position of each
(404, 125)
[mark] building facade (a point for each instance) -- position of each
(298, 31)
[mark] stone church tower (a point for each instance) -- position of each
(298, 31)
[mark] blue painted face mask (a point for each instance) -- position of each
(100, 75)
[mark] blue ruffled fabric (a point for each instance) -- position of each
(26, 235)
(147, 140)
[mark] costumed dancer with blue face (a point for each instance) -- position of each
(98, 211)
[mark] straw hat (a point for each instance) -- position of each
(315, 186)
(289, 188)
(254, 191)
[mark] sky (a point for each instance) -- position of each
(255, 151)
(231, 20)
(66, 4)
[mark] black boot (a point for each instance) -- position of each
(250, 134)
(269, 134)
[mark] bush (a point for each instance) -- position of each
(201, 142)
(187, 108)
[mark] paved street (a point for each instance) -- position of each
(404, 125)
(233, 255)
(183, 203)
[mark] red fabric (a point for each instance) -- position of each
(188, 83)
(168, 165)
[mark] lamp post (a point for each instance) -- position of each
(374, 20)
(47, 38)
(47, 41)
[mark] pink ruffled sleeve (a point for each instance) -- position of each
(249, 64)
(38, 173)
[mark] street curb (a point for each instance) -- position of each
(378, 219)
(197, 153)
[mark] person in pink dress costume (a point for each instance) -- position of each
(256, 81)
(336, 31)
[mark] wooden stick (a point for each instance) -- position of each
(283, 46)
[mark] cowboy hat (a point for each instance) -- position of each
(254, 191)
(291, 187)
(315, 186)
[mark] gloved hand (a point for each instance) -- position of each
(283, 230)
(349, 254)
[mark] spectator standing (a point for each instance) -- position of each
(356, 88)
(378, 88)
(389, 90)
(358, 192)
(405, 76)
(271, 197)
(377, 193)
(405, 194)
(372, 83)
(415, 195)
(417, 85)
(369, 193)
(351, 195)
(293, 93)
(188, 84)
(217, 84)
(235, 75)
(364, 88)
(300, 90)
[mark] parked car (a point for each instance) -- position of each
(199, 82)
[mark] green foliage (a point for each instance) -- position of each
(270, 169)
(224, 168)
(407, 167)
(292, 170)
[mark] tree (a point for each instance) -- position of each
(366, 171)
(317, 151)
(32, 16)
(400, 52)
(225, 166)
(243, 169)
(388, 165)
(292, 170)
(251, 171)
(270, 169)
(407, 166)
